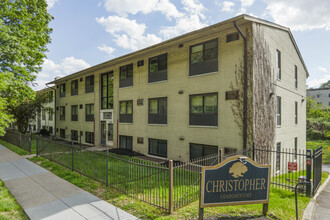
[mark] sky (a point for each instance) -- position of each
(89, 32)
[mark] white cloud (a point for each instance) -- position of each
(191, 19)
(300, 15)
(51, 3)
(247, 3)
(227, 6)
(322, 69)
(125, 7)
(318, 76)
(50, 70)
(108, 50)
(128, 34)
(315, 83)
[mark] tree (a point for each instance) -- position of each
(325, 85)
(27, 110)
(24, 36)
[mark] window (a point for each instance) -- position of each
(62, 90)
(74, 135)
(50, 128)
(201, 150)
(295, 148)
(43, 115)
(126, 142)
(157, 147)
(107, 91)
(204, 58)
(318, 96)
(295, 76)
(50, 96)
(89, 137)
(278, 156)
(278, 111)
(126, 111)
(204, 109)
(74, 112)
(296, 112)
(329, 104)
(329, 95)
(74, 87)
(89, 112)
(62, 113)
(126, 76)
(62, 133)
(89, 84)
(50, 114)
(157, 111)
(158, 68)
(278, 64)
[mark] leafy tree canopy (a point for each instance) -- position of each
(325, 85)
(27, 110)
(24, 35)
(315, 110)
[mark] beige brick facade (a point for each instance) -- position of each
(179, 86)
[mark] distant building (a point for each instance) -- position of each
(321, 96)
(46, 118)
(173, 100)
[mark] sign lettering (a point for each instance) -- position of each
(237, 180)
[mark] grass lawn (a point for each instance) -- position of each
(281, 204)
(14, 148)
(9, 208)
(318, 143)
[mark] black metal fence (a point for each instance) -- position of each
(89, 163)
(288, 167)
(20, 140)
(317, 169)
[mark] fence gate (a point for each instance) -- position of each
(317, 168)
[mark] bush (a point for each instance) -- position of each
(44, 132)
(314, 135)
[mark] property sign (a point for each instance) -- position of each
(237, 180)
(292, 166)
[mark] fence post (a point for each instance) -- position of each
(30, 141)
(107, 171)
(253, 154)
(221, 155)
(170, 169)
(72, 157)
(37, 147)
(309, 158)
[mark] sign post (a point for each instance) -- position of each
(237, 180)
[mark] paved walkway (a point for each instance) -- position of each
(43, 195)
(322, 205)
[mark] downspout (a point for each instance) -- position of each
(245, 101)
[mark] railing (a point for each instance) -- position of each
(289, 167)
(89, 163)
(20, 140)
(317, 169)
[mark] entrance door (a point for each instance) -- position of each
(103, 133)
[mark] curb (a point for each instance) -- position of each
(308, 213)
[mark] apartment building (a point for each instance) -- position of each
(46, 118)
(174, 99)
(320, 95)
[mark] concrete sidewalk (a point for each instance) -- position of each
(322, 204)
(43, 195)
